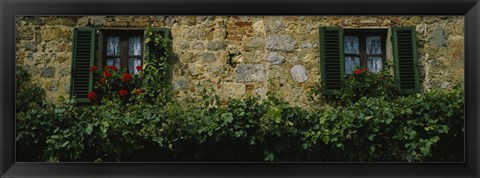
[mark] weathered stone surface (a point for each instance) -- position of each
(255, 43)
(196, 69)
(216, 45)
(48, 72)
(309, 45)
(180, 85)
(275, 58)
(280, 42)
(24, 33)
(440, 37)
(170, 20)
(184, 45)
(274, 26)
(299, 73)
(198, 46)
(232, 89)
(260, 92)
(49, 34)
(98, 21)
(250, 72)
(67, 21)
(209, 57)
(29, 45)
(228, 52)
(83, 21)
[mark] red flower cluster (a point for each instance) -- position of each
(114, 68)
(126, 77)
(123, 92)
(359, 71)
(107, 74)
(139, 68)
(91, 96)
(93, 68)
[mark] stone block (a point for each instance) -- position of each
(250, 72)
(209, 57)
(216, 45)
(280, 43)
(275, 58)
(47, 72)
(299, 73)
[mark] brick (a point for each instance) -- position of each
(241, 24)
(237, 38)
(249, 87)
(229, 27)
(232, 32)
(138, 24)
(20, 57)
(117, 24)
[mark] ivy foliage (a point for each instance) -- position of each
(153, 127)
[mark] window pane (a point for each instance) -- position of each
(374, 44)
(113, 46)
(113, 61)
(374, 64)
(351, 45)
(351, 62)
(135, 46)
(132, 65)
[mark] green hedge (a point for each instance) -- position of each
(422, 127)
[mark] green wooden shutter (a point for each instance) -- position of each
(83, 55)
(405, 59)
(150, 49)
(331, 59)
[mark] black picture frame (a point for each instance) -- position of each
(11, 8)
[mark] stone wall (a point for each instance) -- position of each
(233, 56)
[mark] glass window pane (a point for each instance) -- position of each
(374, 64)
(374, 44)
(351, 62)
(132, 65)
(113, 46)
(135, 46)
(113, 61)
(351, 45)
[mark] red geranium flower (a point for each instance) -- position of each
(123, 92)
(91, 96)
(114, 68)
(126, 77)
(138, 91)
(139, 68)
(107, 74)
(93, 68)
(106, 68)
(358, 72)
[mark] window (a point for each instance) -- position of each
(364, 48)
(342, 50)
(124, 49)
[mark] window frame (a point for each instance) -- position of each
(362, 34)
(124, 37)
(332, 65)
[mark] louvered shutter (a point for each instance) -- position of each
(405, 59)
(83, 55)
(331, 59)
(156, 51)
